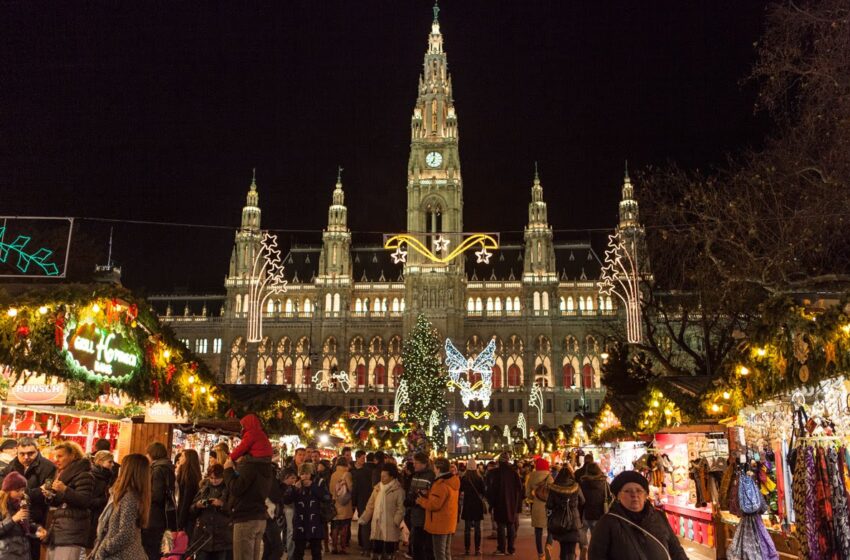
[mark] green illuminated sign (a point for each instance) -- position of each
(100, 353)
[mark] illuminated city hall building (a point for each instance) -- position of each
(348, 308)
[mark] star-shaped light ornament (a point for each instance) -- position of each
(400, 255)
(441, 244)
(483, 255)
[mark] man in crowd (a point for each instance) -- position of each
(420, 541)
(588, 458)
(248, 486)
(346, 452)
(504, 492)
(162, 490)
(360, 493)
(37, 470)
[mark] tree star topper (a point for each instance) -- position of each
(620, 276)
(402, 243)
(459, 368)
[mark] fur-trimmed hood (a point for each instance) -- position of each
(570, 488)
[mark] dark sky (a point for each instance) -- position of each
(159, 110)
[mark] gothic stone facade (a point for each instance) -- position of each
(348, 307)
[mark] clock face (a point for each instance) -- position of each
(434, 159)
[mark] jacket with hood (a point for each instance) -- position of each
(40, 471)
(473, 490)
(362, 486)
(386, 527)
(441, 505)
(162, 482)
(254, 442)
(597, 494)
(249, 488)
(15, 540)
(538, 507)
(504, 492)
(213, 520)
(615, 539)
(72, 516)
(562, 495)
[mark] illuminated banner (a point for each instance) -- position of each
(37, 391)
(162, 413)
(100, 352)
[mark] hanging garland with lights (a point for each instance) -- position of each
(787, 346)
(103, 338)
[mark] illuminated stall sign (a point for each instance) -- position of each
(100, 352)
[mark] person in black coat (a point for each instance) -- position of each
(505, 492)
(249, 485)
(633, 529)
(37, 470)
(101, 471)
(162, 491)
(361, 490)
(565, 506)
(188, 478)
(70, 494)
(472, 487)
(212, 525)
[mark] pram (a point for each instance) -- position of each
(182, 550)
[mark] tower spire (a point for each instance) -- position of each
(626, 176)
(339, 171)
(436, 11)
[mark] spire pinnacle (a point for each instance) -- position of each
(536, 174)
(436, 11)
(339, 171)
(626, 177)
(254, 179)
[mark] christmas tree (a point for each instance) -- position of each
(426, 381)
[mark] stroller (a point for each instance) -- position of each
(182, 550)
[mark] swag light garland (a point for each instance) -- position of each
(104, 338)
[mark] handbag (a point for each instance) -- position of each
(541, 491)
(751, 500)
(170, 509)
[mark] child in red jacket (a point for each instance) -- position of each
(254, 442)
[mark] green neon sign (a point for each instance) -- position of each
(100, 353)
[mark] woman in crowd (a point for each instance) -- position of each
(472, 487)
(119, 529)
(69, 498)
(213, 520)
(340, 486)
(307, 495)
(565, 504)
(537, 491)
(188, 482)
(15, 525)
(384, 514)
(101, 471)
(633, 529)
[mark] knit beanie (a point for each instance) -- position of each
(626, 477)
(14, 481)
(541, 464)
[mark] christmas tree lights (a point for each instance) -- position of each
(424, 377)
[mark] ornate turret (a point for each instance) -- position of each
(631, 231)
(628, 205)
(335, 260)
(248, 237)
(539, 251)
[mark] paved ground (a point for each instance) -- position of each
(525, 549)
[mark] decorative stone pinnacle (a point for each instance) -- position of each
(436, 10)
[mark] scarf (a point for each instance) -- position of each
(380, 505)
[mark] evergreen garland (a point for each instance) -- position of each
(425, 378)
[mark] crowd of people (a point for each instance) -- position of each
(246, 506)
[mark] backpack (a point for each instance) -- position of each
(560, 514)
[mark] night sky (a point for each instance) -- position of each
(159, 110)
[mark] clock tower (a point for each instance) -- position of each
(435, 197)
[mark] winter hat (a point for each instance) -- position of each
(471, 465)
(626, 477)
(541, 464)
(14, 481)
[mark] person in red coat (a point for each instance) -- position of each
(254, 442)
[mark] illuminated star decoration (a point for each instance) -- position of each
(266, 280)
(536, 400)
(620, 277)
(402, 398)
(441, 244)
(483, 255)
(459, 368)
(343, 379)
(400, 255)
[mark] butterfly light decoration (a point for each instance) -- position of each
(460, 366)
